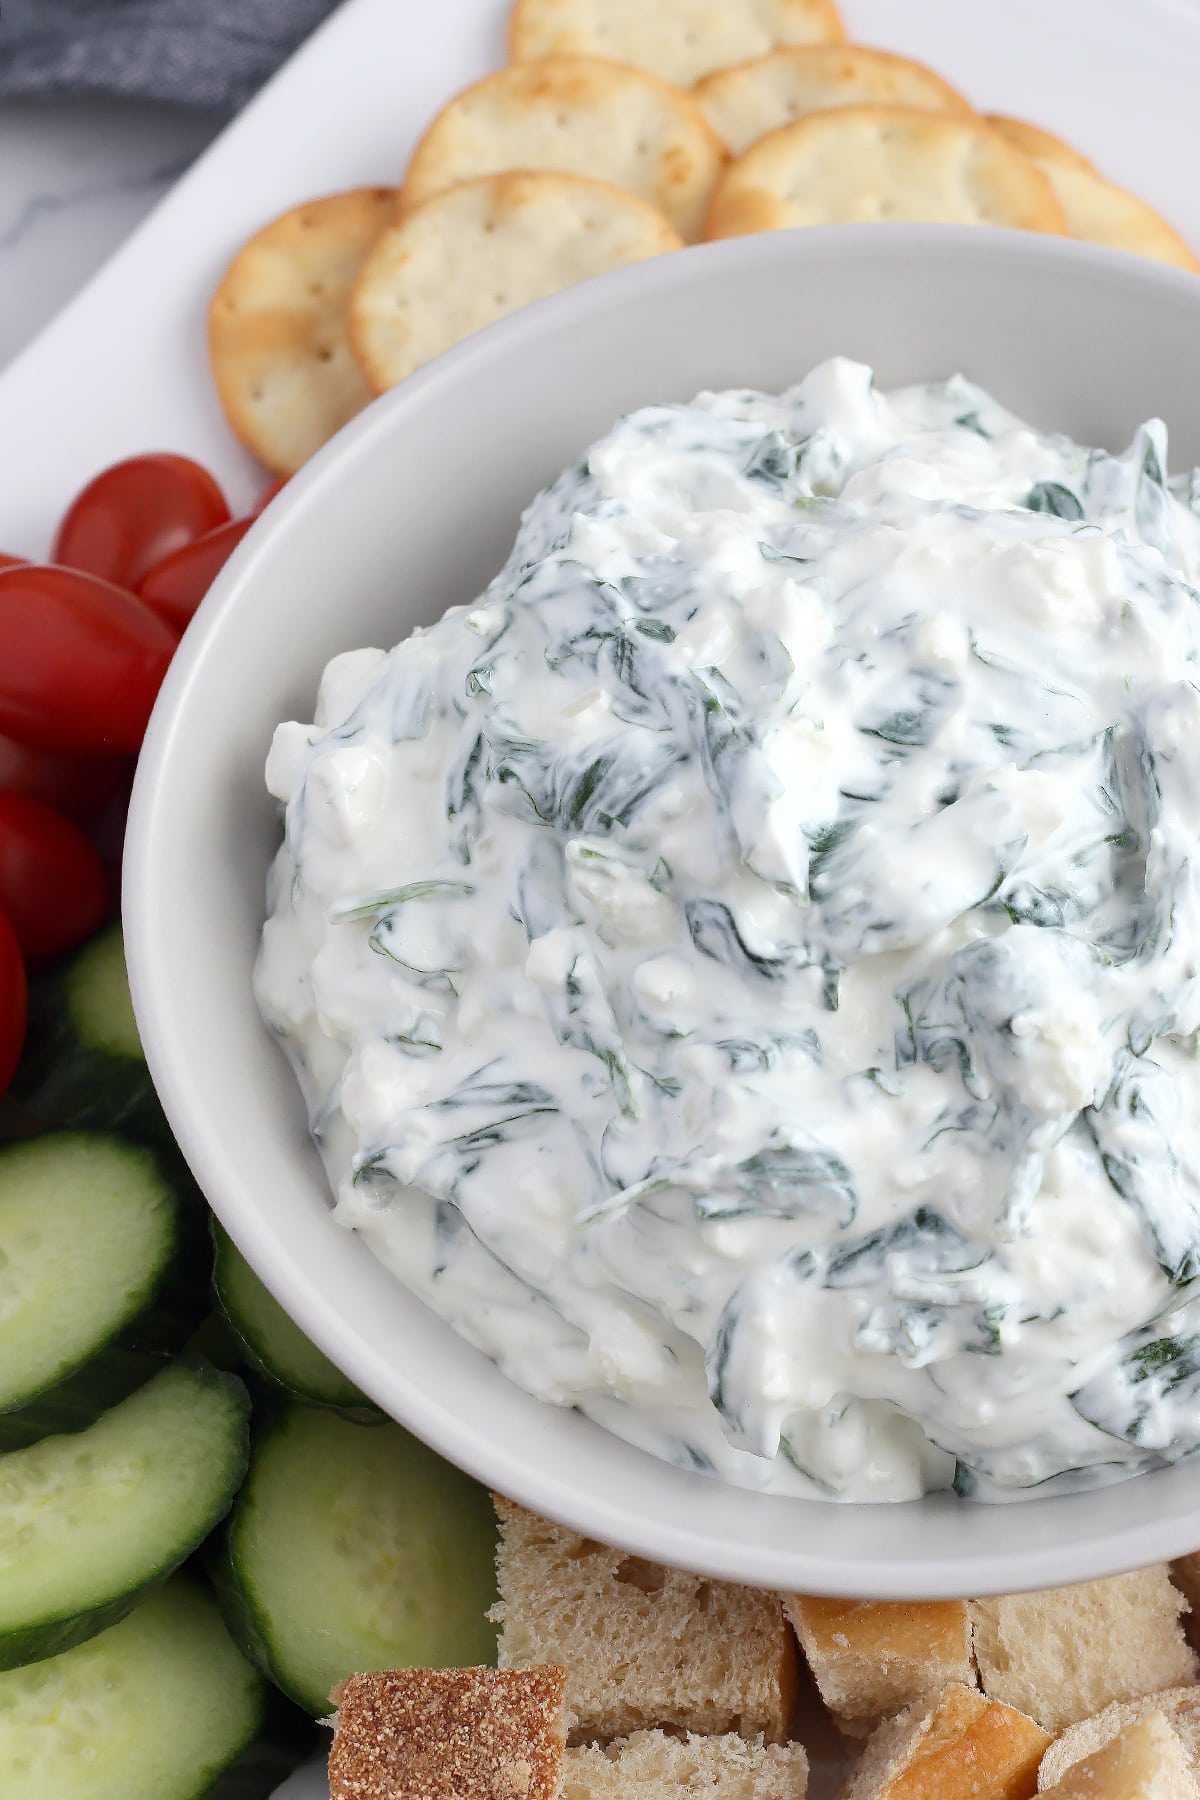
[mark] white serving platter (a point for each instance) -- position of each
(122, 369)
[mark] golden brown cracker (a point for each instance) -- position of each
(582, 116)
(681, 40)
(1096, 209)
(865, 164)
(281, 359)
(743, 103)
(482, 249)
(1034, 142)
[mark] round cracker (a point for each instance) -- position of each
(862, 164)
(583, 117)
(1095, 209)
(281, 359)
(482, 249)
(742, 104)
(681, 40)
(1034, 142)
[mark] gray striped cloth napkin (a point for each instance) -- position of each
(210, 53)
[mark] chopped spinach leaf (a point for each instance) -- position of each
(1053, 497)
(715, 933)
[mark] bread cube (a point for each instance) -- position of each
(649, 1765)
(1145, 1761)
(870, 1658)
(1062, 1654)
(1180, 1707)
(448, 1734)
(957, 1746)
(643, 1646)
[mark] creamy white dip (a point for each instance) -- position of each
(743, 971)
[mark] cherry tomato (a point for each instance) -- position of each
(79, 787)
(175, 587)
(52, 883)
(14, 998)
(15, 562)
(135, 513)
(80, 661)
(268, 494)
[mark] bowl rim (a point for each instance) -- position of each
(1065, 1556)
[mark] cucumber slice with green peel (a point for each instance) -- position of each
(90, 1297)
(83, 1067)
(355, 1548)
(79, 1402)
(274, 1345)
(87, 1232)
(215, 1341)
(98, 987)
(89, 1521)
(157, 1707)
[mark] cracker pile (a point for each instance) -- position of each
(620, 129)
(620, 1679)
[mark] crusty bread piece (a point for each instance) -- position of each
(642, 1645)
(649, 1765)
(955, 1746)
(1180, 1707)
(448, 1734)
(1062, 1654)
(1143, 1762)
(869, 1658)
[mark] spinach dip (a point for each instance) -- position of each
(744, 970)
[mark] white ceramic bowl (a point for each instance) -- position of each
(411, 509)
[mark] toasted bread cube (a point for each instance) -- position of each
(448, 1734)
(649, 1765)
(1063, 1654)
(643, 1646)
(1143, 1762)
(1180, 1707)
(957, 1746)
(870, 1658)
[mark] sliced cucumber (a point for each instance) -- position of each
(83, 1067)
(91, 1296)
(355, 1548)
(88, 1521)
(215, 1341)
(275, 1346)
(155, 1708)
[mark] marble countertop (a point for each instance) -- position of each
(75, 177)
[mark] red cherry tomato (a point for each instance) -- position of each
(10, 562)
(175, 587)
(13, 1002)
(79, 787)
(80, 661)
(135, 513)
(52, 883)
(268, 494)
